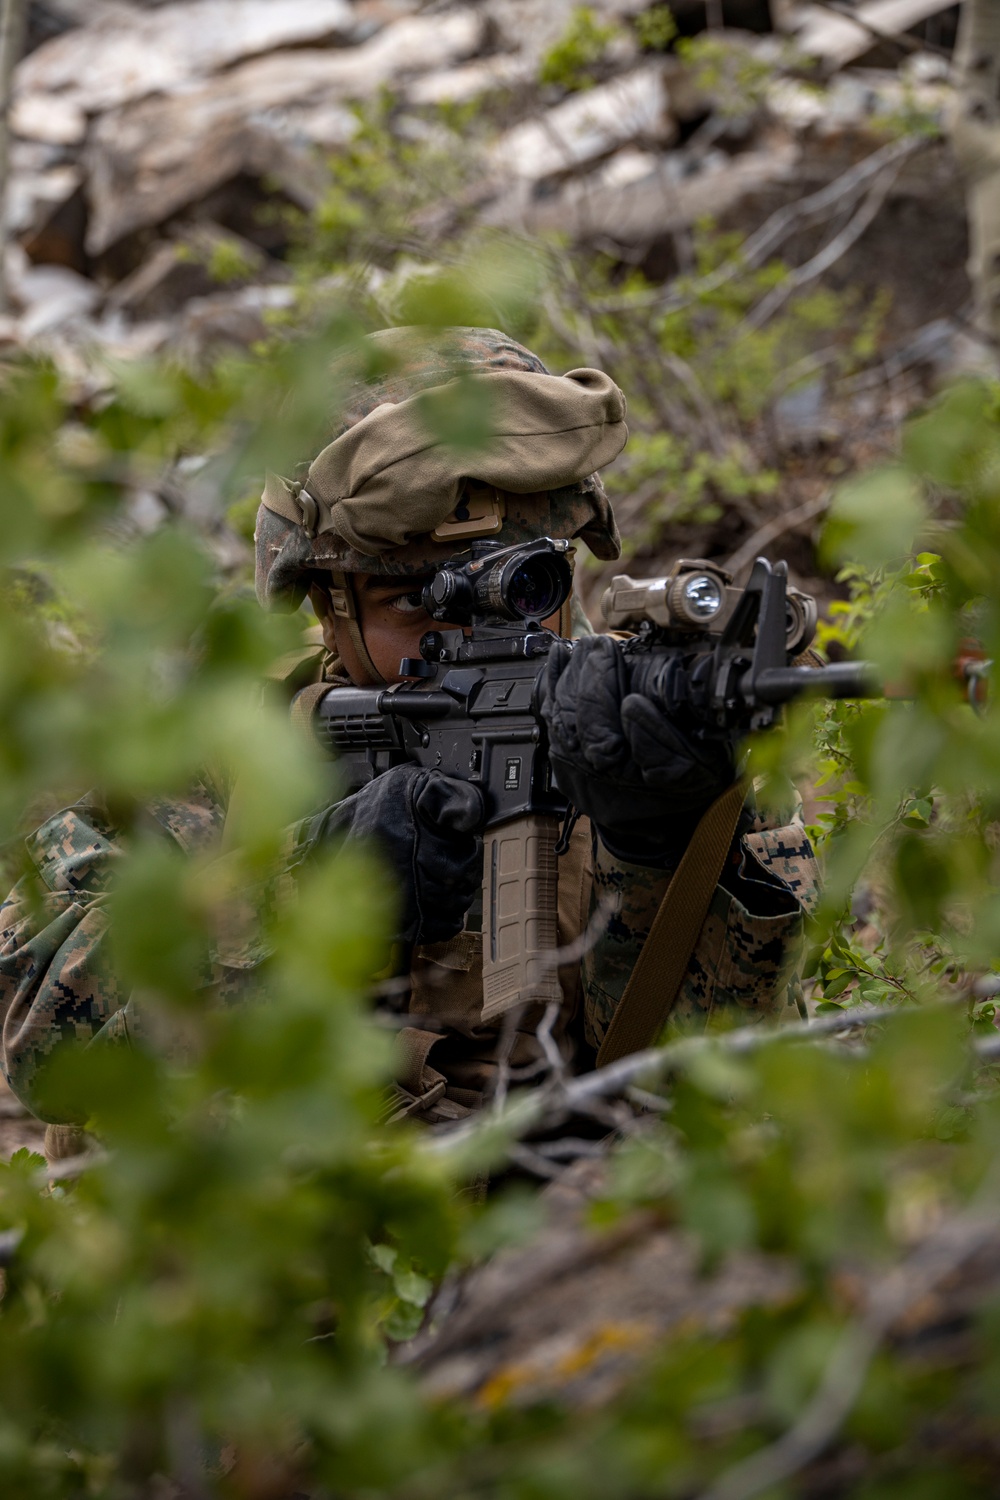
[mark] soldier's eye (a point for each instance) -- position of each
(407, 604)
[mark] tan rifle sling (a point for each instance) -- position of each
(653, 985)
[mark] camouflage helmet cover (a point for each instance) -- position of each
(401, 363)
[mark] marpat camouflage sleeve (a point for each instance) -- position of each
(56, 982)
(743, 968)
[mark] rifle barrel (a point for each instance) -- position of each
(843, 679)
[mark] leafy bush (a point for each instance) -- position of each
(570, 62)
(211, 1302)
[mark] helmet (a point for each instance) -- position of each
(387, 496)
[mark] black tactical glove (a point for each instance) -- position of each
(427, 825)
(641, 773)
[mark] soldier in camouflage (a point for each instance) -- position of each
(380, 508)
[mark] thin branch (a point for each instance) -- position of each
(529, 1161)
(547, 1042)
(572, 953)
(643, 1099)
(569, 1148)
(778, 526)
(711, 422)
(831, 252)
(72, 1167)
(774, 231)
(525, 1110)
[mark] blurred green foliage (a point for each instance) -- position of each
(570, 62)
(655, 28)
(212, 1303)
(729, 70)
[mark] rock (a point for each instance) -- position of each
(533, 26)
(474, 80)
(45, 209)
(157, 158)
(647, 195)
(571, 1316)
(58, 233)
(35, 191)
(150, 159)
(48, 117)
(587, 126)
(112, 61)
(52, 296)
(193, 265)
(228, 320)
(18, 1130)
(838, 40)
(802, 418)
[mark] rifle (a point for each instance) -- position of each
(716, 655)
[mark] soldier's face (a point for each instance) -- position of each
(392, 618)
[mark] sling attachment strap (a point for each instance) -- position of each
(653, 985)
(420, 1086)
(305, 703)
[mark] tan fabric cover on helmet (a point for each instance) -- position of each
(389, 479)
(370, 501)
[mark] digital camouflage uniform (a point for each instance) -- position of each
(57, 983)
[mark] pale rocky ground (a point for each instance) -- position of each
(153, 138)
(146, 134)
(17, 1128)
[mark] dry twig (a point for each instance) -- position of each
(779, 525)
(834, 249)
(774, 231)
(555, 1100)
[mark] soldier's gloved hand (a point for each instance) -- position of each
(427, 826)
(622, 757)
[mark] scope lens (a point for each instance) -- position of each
(702, 597)
(536, 588)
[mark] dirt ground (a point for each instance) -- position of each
(17, 1127)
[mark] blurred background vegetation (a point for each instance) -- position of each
(777, 1273)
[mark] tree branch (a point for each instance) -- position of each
(831, 252)
(778, 526)
(13, 27)
(526, 1109)
(775, 230)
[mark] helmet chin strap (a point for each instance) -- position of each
(345, 618)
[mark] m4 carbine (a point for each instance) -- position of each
(722, 657)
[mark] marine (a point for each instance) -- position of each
(357, 532)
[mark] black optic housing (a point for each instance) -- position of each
(527, 582)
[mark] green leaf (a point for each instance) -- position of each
(412, 1287)
(874, 520)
